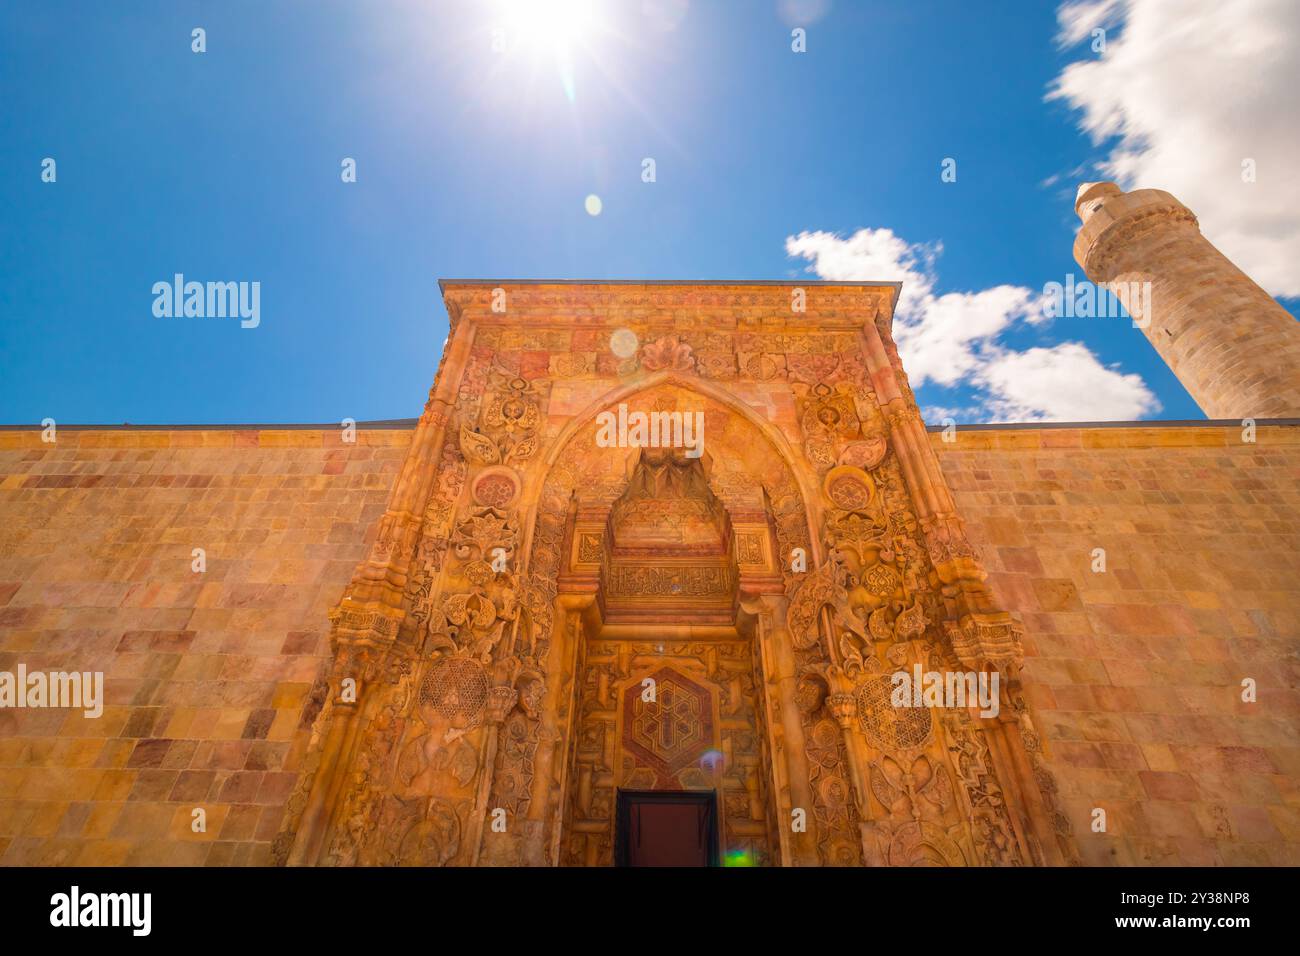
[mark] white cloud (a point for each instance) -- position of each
(875, 251)
(1079, 19)
(938, 414)
(945, 337)
(1062, 383)
(953, 339)
(1189, 89)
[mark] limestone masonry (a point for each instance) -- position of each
(484, 636)
(213, 684)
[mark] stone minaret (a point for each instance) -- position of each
(1232, 346)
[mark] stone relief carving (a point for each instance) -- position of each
(874, 597)
(626, 580)
(591, 549)
(668, 352)
(509, 421)
(464, 710)
(749, 549)
(675, 742)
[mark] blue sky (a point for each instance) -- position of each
(472, 163)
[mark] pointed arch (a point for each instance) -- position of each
(691, 383)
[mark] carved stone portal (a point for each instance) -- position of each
(553, 612)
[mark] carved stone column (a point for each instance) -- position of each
(784, 681)
(368, 617)
(546, 809)
(361, 642)
(1015, 765)
(843, 705)
(380, 580)
(340, 720)
(501, 700)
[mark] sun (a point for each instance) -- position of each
(541, 47)
(548, 26)
(542, 33)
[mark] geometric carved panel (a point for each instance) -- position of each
(456, 688)
(886, 726)
(675, 729)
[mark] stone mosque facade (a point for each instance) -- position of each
(543, 626)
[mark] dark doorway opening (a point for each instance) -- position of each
(666, 828)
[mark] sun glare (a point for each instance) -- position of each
(548, 25)
(583, 43)
(549, 30)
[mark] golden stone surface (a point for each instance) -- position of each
(395, 639)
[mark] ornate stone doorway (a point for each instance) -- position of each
(670, 715)
(670, 697)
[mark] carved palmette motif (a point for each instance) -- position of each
(668, 352)
(841, 423)
(914, 787)
(472, 621)
(915, 792)
(509, 421)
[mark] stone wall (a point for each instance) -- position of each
(1134, 675)
(208, 676)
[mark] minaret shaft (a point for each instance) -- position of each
(1236, 351)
